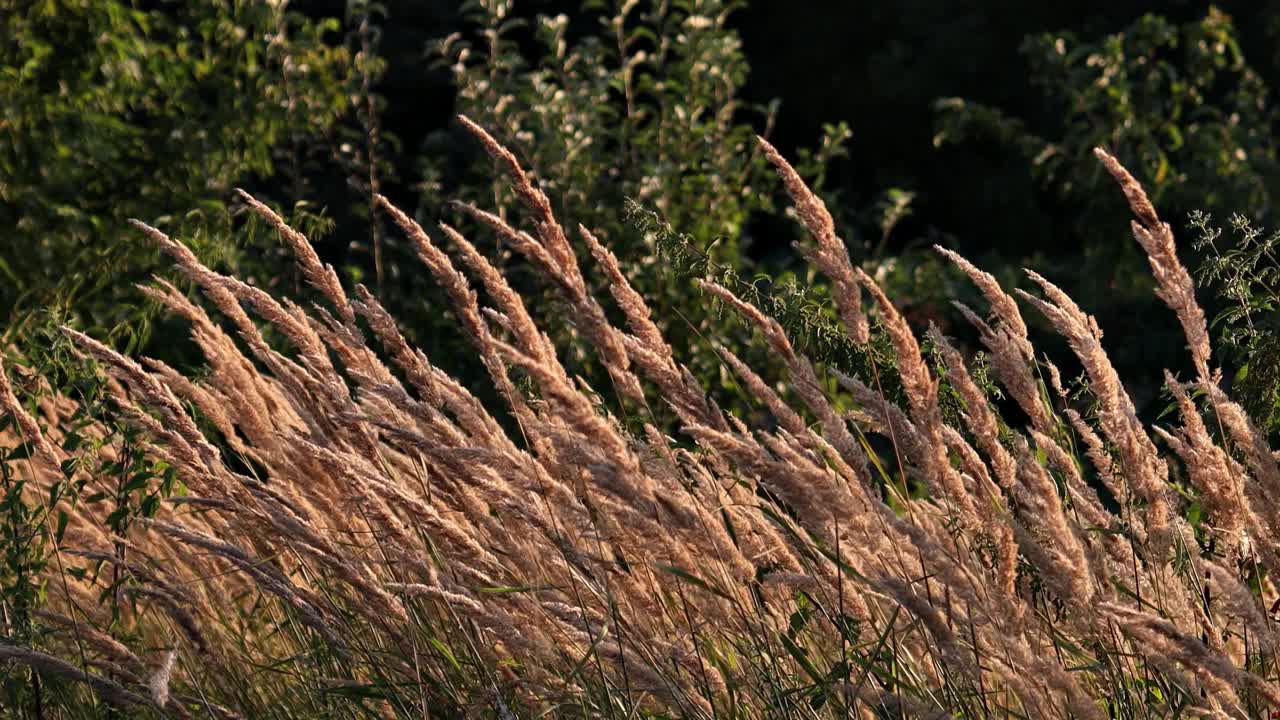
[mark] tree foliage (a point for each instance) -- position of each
(1180, 102)
(113, 109)
(627, 100)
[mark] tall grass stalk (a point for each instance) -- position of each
(356, 534)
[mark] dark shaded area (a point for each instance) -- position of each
(879, 66)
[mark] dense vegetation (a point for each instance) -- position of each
(682, 455)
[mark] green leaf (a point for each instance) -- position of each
(447, 653)
(150, 506)
(695, 580)
(138, 481)
(505, 589)
(63, 518)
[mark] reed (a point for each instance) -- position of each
(357, 533)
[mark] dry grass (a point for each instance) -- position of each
(360, 535)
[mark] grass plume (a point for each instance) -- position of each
(359, 534)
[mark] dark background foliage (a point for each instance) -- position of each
(961, 123)
(881, 67)
(970, 126)
(887, 68)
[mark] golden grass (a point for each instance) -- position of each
(360, 522)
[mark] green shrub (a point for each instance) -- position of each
(1244, 273)
(1180, 104)
(644, 106)
(112, 111)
